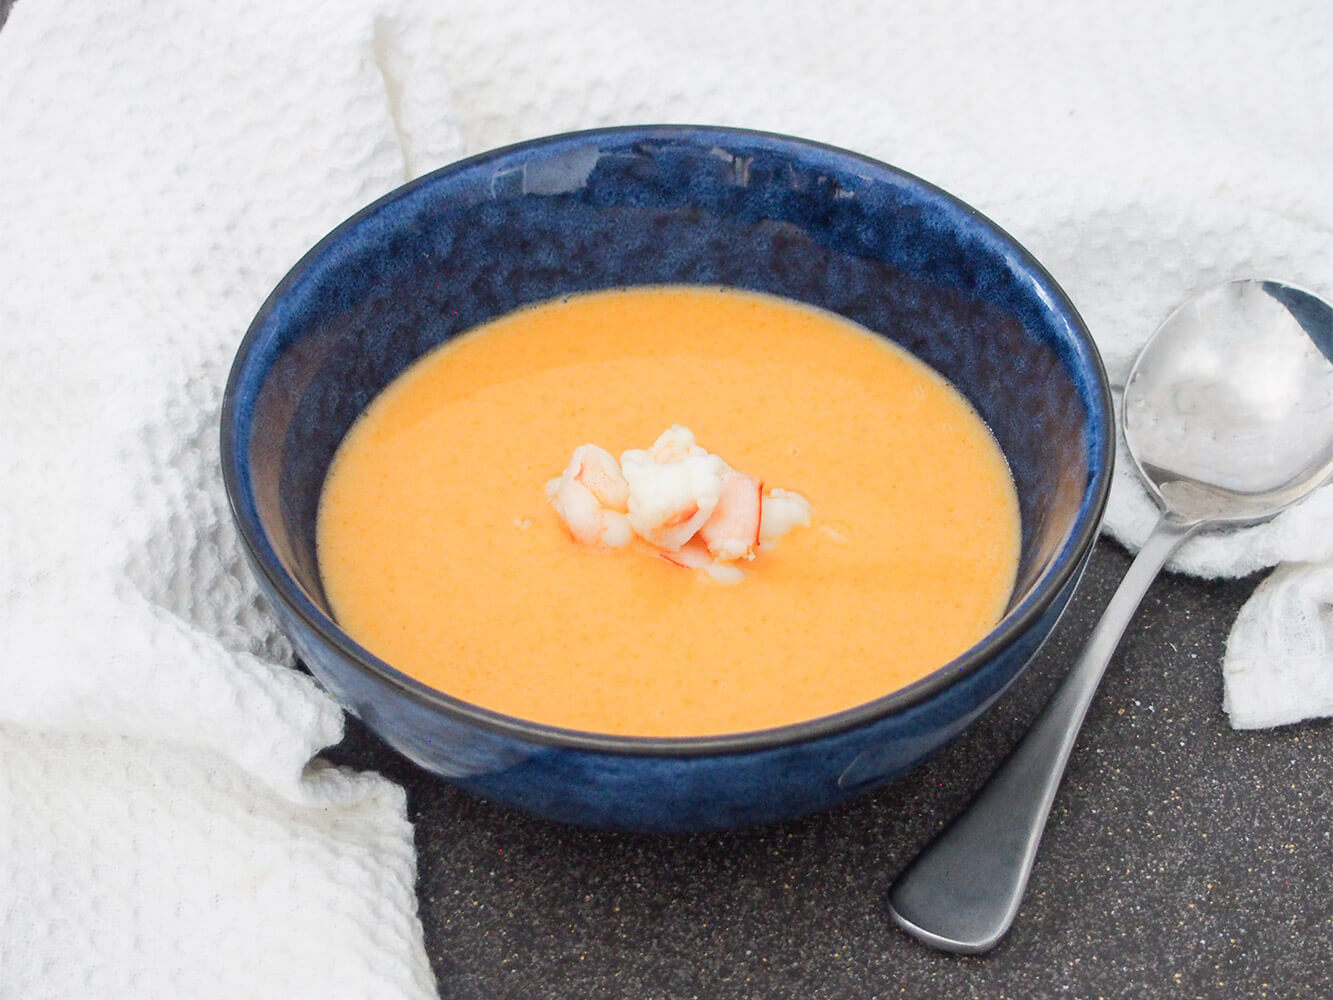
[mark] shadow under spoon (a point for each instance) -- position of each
(1228, 416)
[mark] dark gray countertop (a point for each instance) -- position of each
(1183, 858)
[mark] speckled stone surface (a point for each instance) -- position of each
(1183, 859)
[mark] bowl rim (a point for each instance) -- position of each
(1065, 567)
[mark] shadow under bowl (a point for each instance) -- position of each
(666, 205)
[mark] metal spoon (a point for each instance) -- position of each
(1228, 415)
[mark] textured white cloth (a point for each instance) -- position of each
(1281, 649)
(166, 828)
(163, 830)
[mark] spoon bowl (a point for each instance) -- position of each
(1228, 416)
(1228, 411)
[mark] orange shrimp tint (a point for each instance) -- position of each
(441, 553)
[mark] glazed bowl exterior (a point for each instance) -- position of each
(666, 205)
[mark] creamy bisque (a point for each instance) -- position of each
(440, 552)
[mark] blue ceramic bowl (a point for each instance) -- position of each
(653, 205)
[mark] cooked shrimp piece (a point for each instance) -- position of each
(592, 497)
(694, 554)
(598, 471)
(732, 532)
(782, 511)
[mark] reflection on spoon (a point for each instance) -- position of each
(1228, 415)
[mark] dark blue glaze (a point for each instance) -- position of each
(659, 205)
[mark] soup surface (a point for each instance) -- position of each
(441, 554)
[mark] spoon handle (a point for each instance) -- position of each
(963, 891)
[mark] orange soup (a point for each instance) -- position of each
(441, 553)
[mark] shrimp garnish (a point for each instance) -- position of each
(686, 504)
